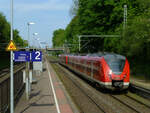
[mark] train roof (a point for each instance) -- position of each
(106, 55)
(114, 56)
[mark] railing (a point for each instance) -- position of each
(5, 87)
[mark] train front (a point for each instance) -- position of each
(116, 72)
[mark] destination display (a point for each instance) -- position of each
(28, 56)
(22, 56)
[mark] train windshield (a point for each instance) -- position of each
(116, 64)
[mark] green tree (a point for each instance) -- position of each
(58, 38)
(4, 40)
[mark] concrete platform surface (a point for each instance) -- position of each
(48, 95)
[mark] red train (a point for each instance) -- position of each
(109, 70)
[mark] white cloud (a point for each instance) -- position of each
(48, 6)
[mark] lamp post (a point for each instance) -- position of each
(38, 39)
(28, 84)
(35, 34)
(79, 43)
(11, 64)
(125, 19)
(29, 23)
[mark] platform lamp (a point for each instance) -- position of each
(29, 23)
(28, 84)
(35, 34)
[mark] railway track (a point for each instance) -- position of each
(104, 102)
(6, 70)
(140, 91)
(143, 92)
(133, 104)
(90, 98)
(85, 102)
(147, 105)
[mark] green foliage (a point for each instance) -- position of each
(98, 17)
(18, 40)
(74, 8)
(4, 31)
(5, 34)
(4, 40)
(58, 38)
(137, 37)
(105, 17)
(71, 35)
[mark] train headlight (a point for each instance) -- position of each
(110, 73)
(125, 76)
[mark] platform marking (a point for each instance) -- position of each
(51, 83)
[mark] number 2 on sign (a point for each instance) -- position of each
(37, 55)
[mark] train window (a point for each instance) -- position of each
(115, 62)
(116, 65)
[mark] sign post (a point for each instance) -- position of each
(27, 56)
(11, 63)
(11, 47)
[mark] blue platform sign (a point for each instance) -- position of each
(22, 56)
(36, 56)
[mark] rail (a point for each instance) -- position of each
(140, 91)
(5, 87)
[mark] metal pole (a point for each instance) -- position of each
(28, 62)
(79, 43)
(125, 17)
(27, 70)
(11, 66)
(126, 14)
(28, 35)
(40, 44)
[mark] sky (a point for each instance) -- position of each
(48, 15)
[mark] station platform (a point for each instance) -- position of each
(48, 95)
(140, 83)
